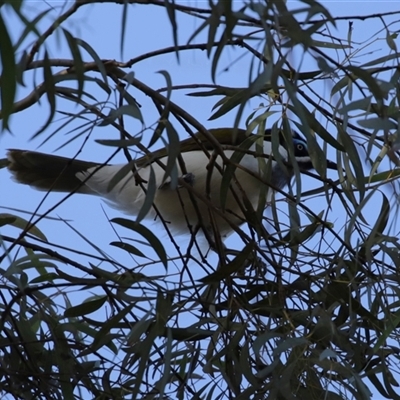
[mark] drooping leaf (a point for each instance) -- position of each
(127, 169)
(354, 158)
(8, 74)
(122, 143)
(127, 109)
(147, 234)
(78, 62)
(96, 58)
(231, 168)
(170, 7)
(21, 223)
(329, 45)
(49, 88)
(234, 266)
(87, 307)
(151, 189)
(129, 248)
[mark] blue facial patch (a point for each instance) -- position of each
(297, 141)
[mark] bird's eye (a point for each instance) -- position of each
(300, 147)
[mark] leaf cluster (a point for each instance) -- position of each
(310, 312)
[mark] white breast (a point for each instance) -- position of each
(176, 206)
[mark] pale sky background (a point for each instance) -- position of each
(148, 28)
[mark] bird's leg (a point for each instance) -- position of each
(188, 178)
(138, 179)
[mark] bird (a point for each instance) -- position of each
(196, 197)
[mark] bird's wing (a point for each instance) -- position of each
(199, 142)
(60, 174)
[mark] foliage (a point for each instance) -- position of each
(309, 312)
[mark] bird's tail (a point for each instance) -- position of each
(47, 172)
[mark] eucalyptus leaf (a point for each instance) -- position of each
(87, 307)
(21, 223)
(122, 143)
(147, 234)
(8, 74)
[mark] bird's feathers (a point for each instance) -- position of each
(46, 171)
(175, 205)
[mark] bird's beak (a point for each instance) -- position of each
(331, 165)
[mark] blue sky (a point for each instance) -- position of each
(147, 29)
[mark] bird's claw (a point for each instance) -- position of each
(188, 178)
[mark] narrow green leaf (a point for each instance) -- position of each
(129, 248)
(231, 168)
(317, 127)
(324, 66)
(78, 62)
(362, 104)
(385, 176)
(381, 222)
(33, 260)
(240, 98)
(7, 219)
(349, 32)
(379, 158)
(123, 26)
(308, 232)
(127, 109)
(263, 338)
(143, 354)
(380, 124)
(163, 310)
(21, 223)
(372, 374)
(369, 81)
(16, 4)
(191, 334)
(120, 175)
(8, 74)
(170, 7)
(217, 54)
(214, 22)
(198, 30)
(150, 195)
(46, 277)
(147, 234)
(174, 150)
(49, 88)
(329, 45)
(30, 26)
(86, 307)
(111, 323)
(168, 80)
(383, 60)
(122, 143)
(157, 133)
(95, 57)
(129, 99)
(317, 156)
(390, 42)
(235, 265)
(230, 103)
(219, 91)
(230, 17)
(342, 83)
(354, 158)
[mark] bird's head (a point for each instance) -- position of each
(298, 147)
